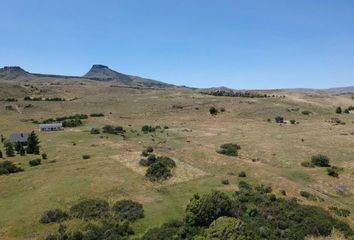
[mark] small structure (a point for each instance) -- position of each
(279, 119)
(50, 127)
(19, 137)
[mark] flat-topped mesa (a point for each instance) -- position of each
(99, 66)
(12, 68)
(13, 72)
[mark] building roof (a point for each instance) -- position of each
(19, 137)
(48, 125)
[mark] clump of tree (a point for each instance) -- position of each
(9, 149)
(229, 149)
(250, 213)
(53, 215)
(72, 123)
(158, 171)
(7, 167)
(67, 121)
(113, 130)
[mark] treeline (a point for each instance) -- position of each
(243, 94)
(54, 99)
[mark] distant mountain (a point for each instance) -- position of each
(103, 73)
(97, 72)
(13, 72)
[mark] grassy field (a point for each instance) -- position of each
(270, 153)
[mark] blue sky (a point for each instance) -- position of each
(200, 43)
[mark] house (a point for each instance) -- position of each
(19, 137)
(279, 119)
(50, 127)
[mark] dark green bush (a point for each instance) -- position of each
(7, 167)
(113, 130)
(96, 115)
(229, 149)
(213, 111)
(90, 208)
(158, 171)
(147, 129)
(35, 162)
(167, 161)
(334, 171)
(86, 156)
(95, 131)
(292, 121)
(225, 182)
(149, 149)
(306, 112)
(242, 174)
(320, 160)
(44, 156)
(128, 210)
(54, 215)
(338, 110)
(72, 123)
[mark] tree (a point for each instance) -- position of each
(32, 143)
(128, 210)
(320, 160)
(22, 151)
(18, 146)
(9, 150)
(158, 171)
(339, 110)
(213, 111)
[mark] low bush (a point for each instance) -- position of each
(95, 131)
(72, 123)
(169, 162)
(86, 156)
(229, 149)
(334, 171)
(292, 121)
(340, 211)
(118, 130)
(146, 129)
(307, 164)
(44, 156)
(54, 215)
(225, 182)
(128, 210)
(306, 112)
(7, 167)
(320, 160)
(242, 174)
(96, 115)
(158, 172)
(90, 208)
(35, 162)
(213, 111)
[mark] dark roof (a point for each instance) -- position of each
(19, 137)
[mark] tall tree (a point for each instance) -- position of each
(18, 146)
(22, 151)
(32, 143)
(10, 150)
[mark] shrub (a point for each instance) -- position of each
(95, 131)
(96, 115)
(334, 171)
(306, 112)
(158, 171)
(113, 130)
(35, 162)
(292, 121)
(0, 154)
(320, 160)
(147, 129)
(227, 228)
(222, 109)
(340, 211)
(144, 153)
(229, 149)
(307, 164)
(8, 167)
(44, 156)
(167, 161)
(242, 174)
(55, 215)
(201, 211)
(147, 162)
(128, 210)
(90, 208)
(149, 149)
(213, 111)
(9, 150)
(339, 110)
(72, 123)
(86, 156)
(225, 182)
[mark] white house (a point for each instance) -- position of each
(50, 127)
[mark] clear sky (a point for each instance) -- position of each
(200, 43)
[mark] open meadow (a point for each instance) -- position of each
(271, 153)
